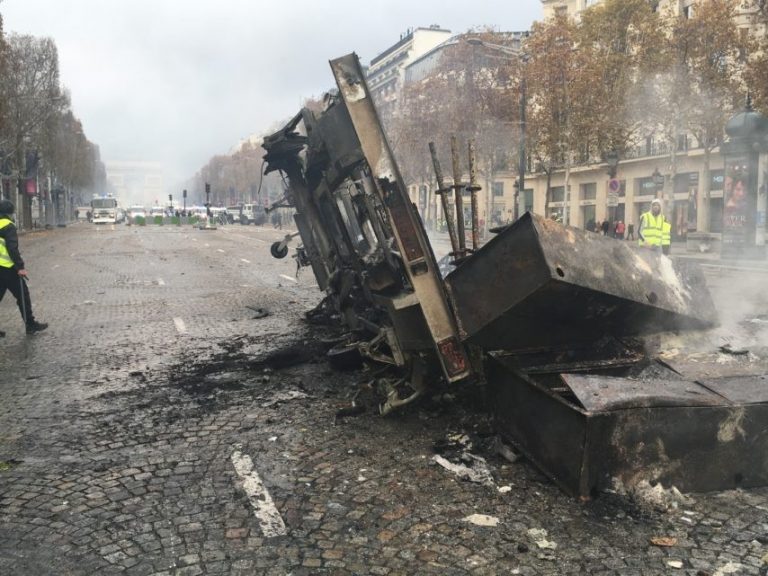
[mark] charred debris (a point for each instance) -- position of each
(552, 317)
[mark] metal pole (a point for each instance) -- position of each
(473, 188)
(521, 160)
(23, 298)
(458, 189)
(442, 191)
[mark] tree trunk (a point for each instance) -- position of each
(702, 219)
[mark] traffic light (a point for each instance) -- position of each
(184, 193)
(170, 198)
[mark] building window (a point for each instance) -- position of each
(716, 179)
(589, 191)
(588, 217)
(557, 193)
(527, 201)
(498, 189)
(686, 181)
(646, 187)
(716, 215)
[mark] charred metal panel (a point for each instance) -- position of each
(539, 283)
(413, 246)
(585, 431)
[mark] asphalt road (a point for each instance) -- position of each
(163, 425)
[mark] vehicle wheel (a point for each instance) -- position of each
(278, 251)
(345, 357)
(244, 221)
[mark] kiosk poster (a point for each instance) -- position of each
(739, 204)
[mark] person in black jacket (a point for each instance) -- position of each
(12, 272)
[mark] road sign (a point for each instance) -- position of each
(614, 185)
(613, 200)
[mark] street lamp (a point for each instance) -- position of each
(612, 159)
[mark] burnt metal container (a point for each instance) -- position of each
(586, 431)
(539, 283)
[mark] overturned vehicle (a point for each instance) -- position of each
(552, 317)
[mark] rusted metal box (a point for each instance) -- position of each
(539, 283)
(586, 430)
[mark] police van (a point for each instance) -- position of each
(253, 214)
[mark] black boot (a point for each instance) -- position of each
(36, 326)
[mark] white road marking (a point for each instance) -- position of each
(181, 328)
(289, 278)
(160, 282)
(244, 260)
(194, 239)
(207, 245)
(219, 250)
(263, 507)
(56, 266)
(260, 240)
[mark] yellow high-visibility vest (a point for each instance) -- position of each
(651, 227)
(666, 234)
(5, 258)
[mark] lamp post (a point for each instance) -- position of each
(612, 160)
(514, 54)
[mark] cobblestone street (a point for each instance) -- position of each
(137, 431)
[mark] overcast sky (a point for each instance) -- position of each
(178, 81)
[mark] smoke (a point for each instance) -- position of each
(741, 301)
(739, 343)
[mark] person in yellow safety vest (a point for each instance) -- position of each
(651, 226)
(12, 271)
(666, 237)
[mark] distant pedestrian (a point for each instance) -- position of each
(13, 274)
(666, 238)
(651, 226)
(618, 232)
(605, 227)
(630, 231)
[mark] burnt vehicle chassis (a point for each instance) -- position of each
(554, 314)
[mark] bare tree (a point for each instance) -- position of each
(470, 92)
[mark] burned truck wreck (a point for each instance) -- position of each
(552, 317)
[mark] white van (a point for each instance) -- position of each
(253, 214)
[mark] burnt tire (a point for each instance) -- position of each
(278, 250)
(345, 357)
